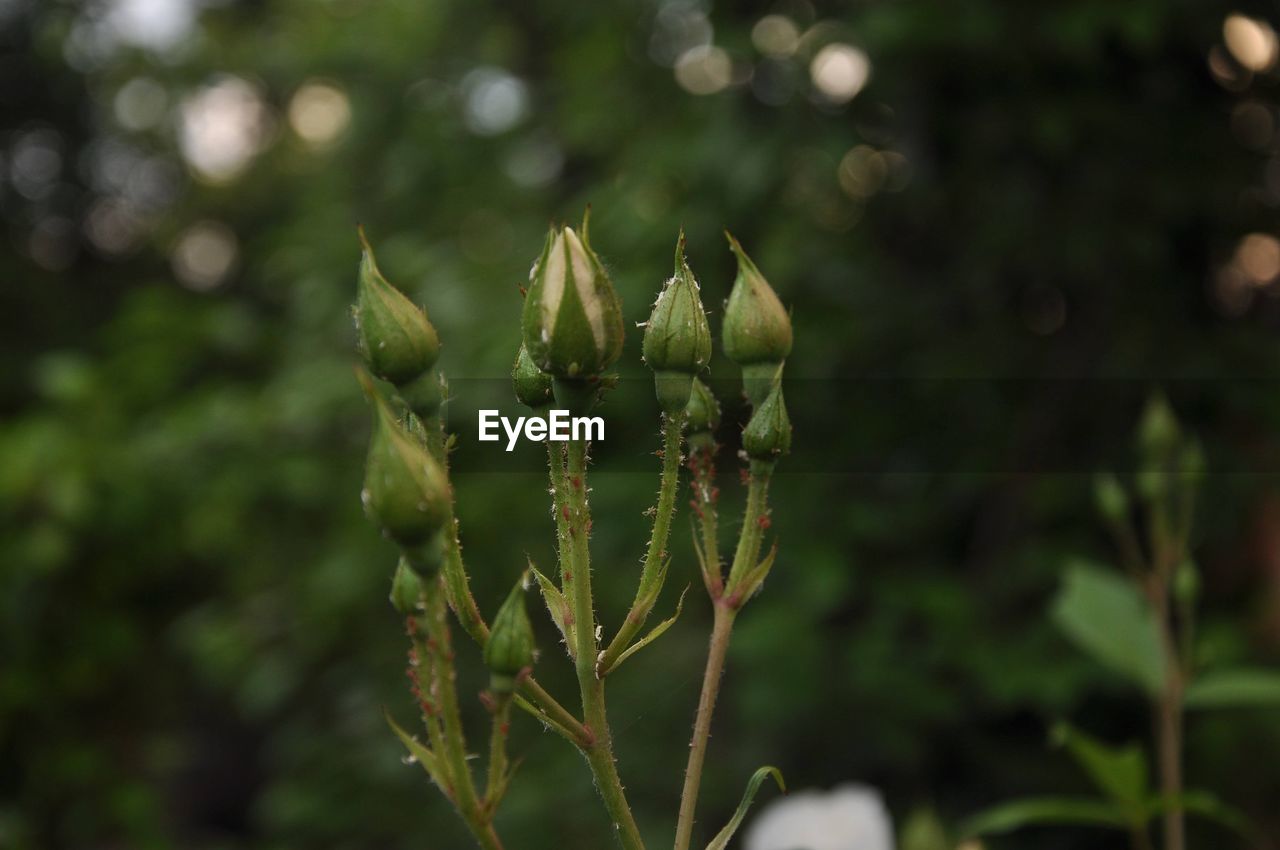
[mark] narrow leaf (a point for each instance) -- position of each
(423, 756)
(1031, 811)
(752, 581)
(1205, 805)
(1119, 772)
(557, 606)
(712, 582)
(1235, 689)
(649, 638)
(721, 840)
(1105, 616)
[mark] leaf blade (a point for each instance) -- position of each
(1240, 688)
(722, 838)
(1034, 811)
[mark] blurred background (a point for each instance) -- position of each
(999, 225)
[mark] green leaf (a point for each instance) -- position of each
(721, 840)
(423, 756)
(557, 606)
(1119, 772)
(649, 638)
(1031, 811)
(1206, 805)
(1105, 616)
(1234, 689)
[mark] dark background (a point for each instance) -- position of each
(1030, 216)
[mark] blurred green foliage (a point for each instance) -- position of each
(195, 640)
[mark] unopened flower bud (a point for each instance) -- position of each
(677, 339)
(1110, 498)
(702, 417)
(406, 492)
(396, 339)
(757, 328)
(406, 589)
(572, 322)
(424, 394)
(768, 433)
(510, 648)
(532, 385)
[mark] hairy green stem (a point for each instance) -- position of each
(497, 751)
(446, 699)
(719, 646)
(578, 573)
(652, 571)
(705, 494)
(726, 607)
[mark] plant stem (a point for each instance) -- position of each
(726, 607)
(719, 646)
(446, 698)
(497, 751)
(1168, 723)
(463, 604)
(704, 490)
(578, 573)
(653, 570)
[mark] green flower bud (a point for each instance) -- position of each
(757, 328)
(397, 341)
(768, 433)
(677, 339)
(406, 492)
(572, 322)
(406, 589)
(510, 648)
(702, 417)
(1110, 498)
(423, 395)
(532, 385)
(1158, 432)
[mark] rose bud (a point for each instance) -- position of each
(702, 417)
(768, 433)
(406, 590)
(406, 492)
(677, 339)
(757, 329)
(532, 385)
(572, 322)
(397, 341)
(510, 648)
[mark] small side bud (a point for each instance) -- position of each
(406, 492)
(397, 341)
(1110, 498)
(757, 328)
(423, 395)
(572, 321)
(532, 385)
(677, 338)
(406, 589)
(768, 433)
(510, 648)
(702, 417)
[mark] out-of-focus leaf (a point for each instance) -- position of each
(722, 838)
(1105, 616)
(1234, 689)
(1119, 772)
(1032, 811)
(1206, 805)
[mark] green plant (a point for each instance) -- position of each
(1141, 625)
(571, 334)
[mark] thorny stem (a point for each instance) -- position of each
(498, 751)
(703, 464)
(560, 508)
(1166, 551)
(652, 572)
(445, 692)
(600, 754)
(422, 675)
(726, 608)
(719, 646)
(536, 700)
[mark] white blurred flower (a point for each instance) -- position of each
(849, 817)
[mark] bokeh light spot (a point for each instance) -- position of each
(839, 71)
(223, 127)
(319, 112)
(1252, 42)
(204, 255)
(704, 70)
(775, 35)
